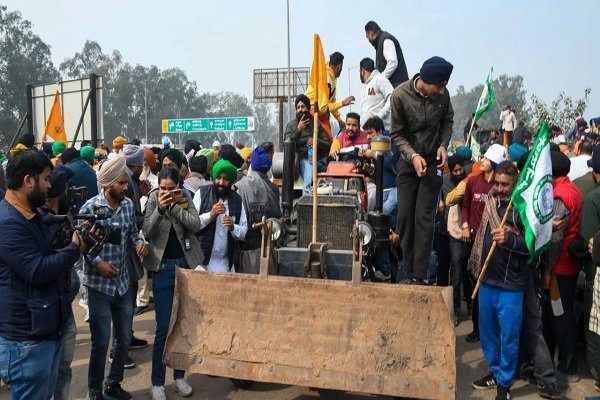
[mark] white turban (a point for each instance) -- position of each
(111, 171)
(134, 155)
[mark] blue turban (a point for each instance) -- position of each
(464, 152)
(516, 151)
(260, 160)
(436, 71)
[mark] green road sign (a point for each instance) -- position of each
(225, 124)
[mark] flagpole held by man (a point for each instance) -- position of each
(486, 100)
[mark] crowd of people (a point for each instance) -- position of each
(194, 208)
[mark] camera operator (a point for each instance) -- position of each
(107, 280)
(32, 288)
(57, 203)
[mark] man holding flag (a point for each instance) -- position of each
(486, 100)
(527, 232)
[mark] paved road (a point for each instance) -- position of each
(470, 366)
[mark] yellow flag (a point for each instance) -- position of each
(55, 126)
(318, 90)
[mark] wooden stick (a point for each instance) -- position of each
(470, 130)
(490, 253)
(314, 171)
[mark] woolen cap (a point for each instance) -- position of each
(436, 71)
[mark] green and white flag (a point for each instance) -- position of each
(533, 196)
(487, 98)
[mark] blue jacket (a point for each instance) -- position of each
(32, 278)
(84, 176)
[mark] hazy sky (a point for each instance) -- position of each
(552, 44)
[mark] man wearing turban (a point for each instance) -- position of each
(422, 119)
(107, 279)
(261, 199)
(222, 218)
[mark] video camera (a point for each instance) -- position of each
(94, 234)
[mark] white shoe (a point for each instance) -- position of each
(158, 393)
(83, 304)
(183, 387)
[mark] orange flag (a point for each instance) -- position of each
(55, 126)
(318, 90)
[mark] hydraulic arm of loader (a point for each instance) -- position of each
(355, 336)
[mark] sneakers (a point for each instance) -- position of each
(140, 310)
(137, 343)
(503, 393)
(128, 364)
(381, 277)
(182, 387)
(473, 337)
(115, 392)
(487, 382)
(158, 393)
(553, 391)
(413, 281)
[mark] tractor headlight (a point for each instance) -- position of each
(276, 229)
(366, 233)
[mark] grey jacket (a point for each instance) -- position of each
(157, 227)
(420, 124)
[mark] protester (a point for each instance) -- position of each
(107, 280)
(521, 135)
(557, 135)
(509, 123)
(197, 176)
(33, 293)
(560, 276)
(351, 138)
(388, 54)
(83, 175)
(421, 140)
(57, 149)
(579, 163)
(300, 131)
(118, 143)
(260, 198)
(170, 224)
(376, 93)
(334, 70)
(222, 218)
(501, 291)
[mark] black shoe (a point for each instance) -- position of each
(381, 277)
(140, 310)
(487, 382)
(554, 391)
(473, 337)
(406, 281)
(503, 393)
(420, 282)
(137, 343)
(94, 396)
(128, 364)
(116, 392)
(456, 321)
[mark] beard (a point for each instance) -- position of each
(37, 197)
(223, 190)
(456, 179)
(302, 114)
(112, 192)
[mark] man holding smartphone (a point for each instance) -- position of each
(222, 218)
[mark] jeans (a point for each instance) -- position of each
(63, 383)
(533, 340)
(459, 253)
(103, 310)
(500, 316)
(306, 172)
(163, 285)
(417, 207)
(30, 367)
(390, 205)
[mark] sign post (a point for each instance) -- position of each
(203, 125)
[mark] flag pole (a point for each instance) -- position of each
(470, 130)
(314, 171)
(490, 253)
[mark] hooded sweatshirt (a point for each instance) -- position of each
(376, 94)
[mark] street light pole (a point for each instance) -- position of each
(289, 94)
(146, 112)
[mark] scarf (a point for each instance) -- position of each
(492, 219)
(258, 197)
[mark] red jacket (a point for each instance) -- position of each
(474, 201)
(570, 195)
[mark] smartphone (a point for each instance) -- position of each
(175, 192)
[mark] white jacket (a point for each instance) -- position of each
(376, 94)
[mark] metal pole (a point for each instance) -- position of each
(145, 112)
(280, 128)
(29, 113)
(289, 95)
(93, 96)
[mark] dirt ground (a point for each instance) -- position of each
(470, 366)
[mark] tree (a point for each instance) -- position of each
(25, 60)
(508, 89)
(561, 112)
